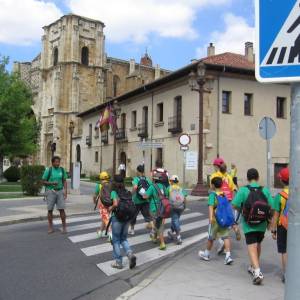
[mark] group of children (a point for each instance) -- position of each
(157, 198)
(258, 211)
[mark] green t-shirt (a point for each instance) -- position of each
(136, 197)
(57, 175)
(98, 188)
(175, 186)
(241, 197)
(153, 196)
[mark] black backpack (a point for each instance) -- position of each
(256, 209)
(105, 195)
(125, 210)
(143, 184)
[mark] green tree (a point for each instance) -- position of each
(18, 126)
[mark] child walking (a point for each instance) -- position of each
(216, 199)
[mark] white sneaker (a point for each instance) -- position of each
(221, 247)
(258, 278)
(131, 231)
(171, 235)
(250, 270)
(203, 255)
(228, 261)
(100, 234)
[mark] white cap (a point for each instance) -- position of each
(174, 178)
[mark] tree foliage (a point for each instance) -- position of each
(18, 126)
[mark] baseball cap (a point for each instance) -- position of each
(218, 161)
(284, 174)
(174, 178)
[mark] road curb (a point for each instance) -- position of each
(40, 218)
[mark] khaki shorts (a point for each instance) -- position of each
(219, 232)
(55, 198)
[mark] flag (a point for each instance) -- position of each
(97, 126)
(104, 122)
(112, 118)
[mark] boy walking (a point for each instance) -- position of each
(141, 184)
(215, 200)
(255, 202)
(177, 197)
(280, 219)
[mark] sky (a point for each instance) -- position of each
(173, 31)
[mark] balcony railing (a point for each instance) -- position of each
(104, 137)
(143, 130)
(121, 134)
(175, 124)
(88, 140)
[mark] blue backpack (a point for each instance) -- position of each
(224, 213)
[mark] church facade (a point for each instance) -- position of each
(72, 74)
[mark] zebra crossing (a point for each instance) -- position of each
(82, 233)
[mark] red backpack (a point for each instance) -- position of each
(226, 189)
(164, 208)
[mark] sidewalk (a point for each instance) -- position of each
(189, 278)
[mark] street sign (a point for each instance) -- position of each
(184, 139)
(149, 145)
(184, 148)
(277, 40)
(191, 160)
(267, 128)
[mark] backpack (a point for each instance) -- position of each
(224, 214)
(143, 186)
(177, 198)
(125, 210)
(164, 208)
(283, 219)
(226, 189)
(105, 195)
(256, 209)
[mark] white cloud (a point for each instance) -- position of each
(21, 21)
(232, 39)
(135, 20)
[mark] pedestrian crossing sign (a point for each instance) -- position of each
(277, 40)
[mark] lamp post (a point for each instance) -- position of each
(71, 131)
(116, 113)
(196, 83)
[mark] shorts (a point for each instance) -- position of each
(281, 239)
(55, 198)
(255, 237)
(218, 232)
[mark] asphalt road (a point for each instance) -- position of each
(38, 266)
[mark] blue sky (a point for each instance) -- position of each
(172, 39)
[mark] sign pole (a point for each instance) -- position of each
(183, 173)
(292, 290)
(269, 163)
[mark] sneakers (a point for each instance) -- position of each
(178, 240)
(283, 278)
(203, 255)
(100, 234)
(162, 247)
(131, 231)
(132, 260)
(250, 270)
(117, 265)
(228, 261)
(221, 247)
(258, 278)
(153, 237)
(170, 235)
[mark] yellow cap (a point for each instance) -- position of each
(104, 176)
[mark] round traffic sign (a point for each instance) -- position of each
(267, 128)
(184, 139)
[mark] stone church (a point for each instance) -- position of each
(72, 74)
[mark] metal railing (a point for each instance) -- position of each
(143, 130)
(174, 124)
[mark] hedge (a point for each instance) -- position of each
(31, 179)
(12, 174)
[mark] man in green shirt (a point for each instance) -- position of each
(140, 185)
(54, 178)
(254, 234)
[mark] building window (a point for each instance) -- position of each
(96, 156)
(116, 85)
(133, 119)
(226, 102)
(281, 108)
(159, 158)
(248, 104)
(85, 56)
(123, 121)
(160, 112)
(55, 56)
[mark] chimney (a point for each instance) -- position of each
(157, 72)
(211, 50)
(131, 66)
(249, 51)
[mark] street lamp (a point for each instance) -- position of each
(71, 131)
(116, 113)
(197, 81)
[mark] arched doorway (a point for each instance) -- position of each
(78, 156)
(122, 167)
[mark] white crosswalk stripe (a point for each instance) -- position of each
(99, 249)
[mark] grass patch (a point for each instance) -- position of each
(10, 188)
(10, 183)
(12, 196)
